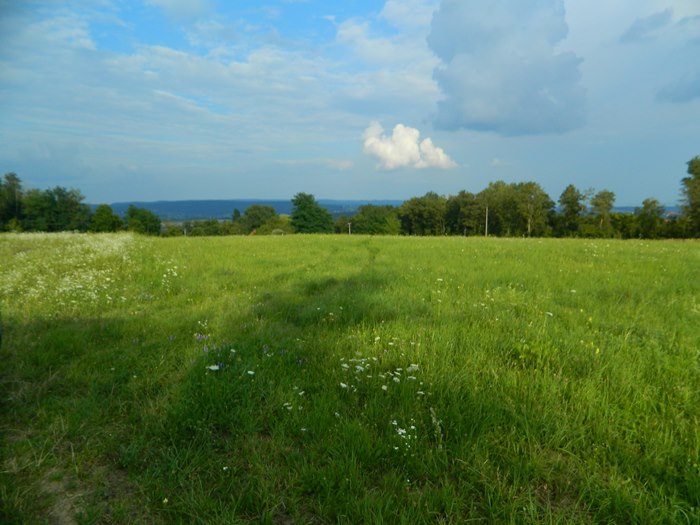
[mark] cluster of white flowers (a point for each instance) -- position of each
(358, 366)
(298, 395)
(407, 436)
(169, 276)
(65, 271)
(359, 369)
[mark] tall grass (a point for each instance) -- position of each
(349, 380)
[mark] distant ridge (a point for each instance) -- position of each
(191, 210)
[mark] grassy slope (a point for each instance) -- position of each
(360, 380)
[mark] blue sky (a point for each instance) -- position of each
(351, 99)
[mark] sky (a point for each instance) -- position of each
(142, 100)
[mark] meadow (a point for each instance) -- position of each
(348, 379)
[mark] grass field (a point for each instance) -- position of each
(336, 379)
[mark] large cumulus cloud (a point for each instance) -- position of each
(404, 149)
(501, 70)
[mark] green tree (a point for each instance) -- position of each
(624, 225)
(465, 214)
(504, 216)
(173, 229)
(650, 218)
(691, 196)
(310, 217)
(54, 210)
(535, 208)
(277, 225)
(375, 220)
(37, 210)
(673, 227)
(257, 215)
(423, 215)
(141, 220)
(571, 210)
(69, 211)
(205, 228)
(105, 220)
(10, 200)
(601, 206)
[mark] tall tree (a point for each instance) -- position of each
(10, 201)
(535, 208)
(649, 218)
(256, 215)
(624, 225)
(105, 220)
(37, 206)
(308, 216)
(504, 217)
(601, 206)
(69, 211)
(691, 196)
(464, 214)
(54, 210)
(571, 209)
(423, 215)
(141, 220)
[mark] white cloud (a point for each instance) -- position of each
(501, 70)
(409, 14)
(403, 149)
(402, 50)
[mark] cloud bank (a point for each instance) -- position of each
(501, 70)
(403, 150)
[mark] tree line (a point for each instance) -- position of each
(60, 209)
(502, 209)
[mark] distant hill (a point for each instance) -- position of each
(223, 209)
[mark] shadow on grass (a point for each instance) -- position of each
(269, 422)
(69, 391)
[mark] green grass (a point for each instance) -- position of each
(359, 380)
